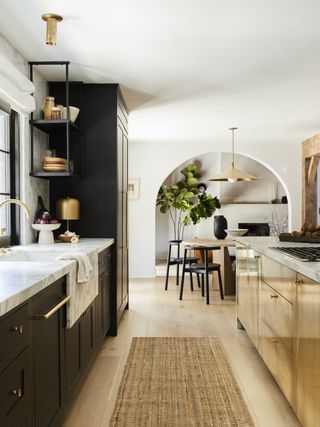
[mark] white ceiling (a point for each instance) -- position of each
(189, 68)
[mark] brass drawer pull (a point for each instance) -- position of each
(54, 309)
(274, 340)
(17, 392)
(19, 329)
(105, 275)
(274, 296)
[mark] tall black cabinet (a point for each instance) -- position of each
(102, 186)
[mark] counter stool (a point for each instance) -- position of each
(204, 269)
(178, 261)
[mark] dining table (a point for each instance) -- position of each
(222, 257)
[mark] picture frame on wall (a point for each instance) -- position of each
(133, 188)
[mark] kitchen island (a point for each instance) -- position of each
(43, 357)
(278, 303)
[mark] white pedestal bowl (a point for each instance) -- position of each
(45, 235)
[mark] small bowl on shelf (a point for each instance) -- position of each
(73, 113)
(236, 232)
(45, 235)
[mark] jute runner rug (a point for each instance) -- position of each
(177, 382)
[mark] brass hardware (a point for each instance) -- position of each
(274, 340)
(17, 202)
(19, 329)
(274, 296)
(51, 19)
(298, 282)
(17, 392)
(54, 309)
(257, 256)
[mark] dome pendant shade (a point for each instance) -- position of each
(233, 174)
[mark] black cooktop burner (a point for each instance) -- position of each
(307, 254)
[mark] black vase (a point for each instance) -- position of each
(219, 225)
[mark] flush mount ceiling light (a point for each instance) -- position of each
(233, 174)
(51, 19)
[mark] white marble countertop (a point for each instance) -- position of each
(263, 245)
(20, 280)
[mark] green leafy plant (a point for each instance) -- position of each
(183, 201)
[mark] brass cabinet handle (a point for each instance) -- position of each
(274, 340)
(47, 316)
(274, 296)
(19, 329)
(105, 275)
(17, 392)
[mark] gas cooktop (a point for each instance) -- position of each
(303, 253)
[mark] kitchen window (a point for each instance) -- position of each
(7, 175)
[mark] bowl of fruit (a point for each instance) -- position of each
(45, 224)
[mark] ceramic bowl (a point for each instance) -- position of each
(74, 111)
(236, 232)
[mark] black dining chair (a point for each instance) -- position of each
(177, 260)
(201, 268)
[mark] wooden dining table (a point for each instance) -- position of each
(221, 257)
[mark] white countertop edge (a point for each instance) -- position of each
(59, 269)
(263, 246)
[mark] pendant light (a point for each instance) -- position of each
(233, 174)
(51, 19)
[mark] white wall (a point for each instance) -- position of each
(153, 161)
(31, 187)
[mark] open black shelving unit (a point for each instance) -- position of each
(54, 127)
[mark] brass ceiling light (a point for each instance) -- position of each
(233, 174)
(51, 19)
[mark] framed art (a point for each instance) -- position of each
(133, 188)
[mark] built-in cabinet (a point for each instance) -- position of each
(288, 325)
(42, 363)
(103, 184)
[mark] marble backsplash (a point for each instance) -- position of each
(30, 187)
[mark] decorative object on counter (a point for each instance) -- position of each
(51, 19)
(308, 233)
(41, 209)
(278, 223)
(284, 199)
(69, 237)
(56, 113)
(48, 106)
(54, 164)
(236, 232)
(73, 113)
(233, 174)
(68, 209)
(184, 202)
(220, 224)
(45, 235)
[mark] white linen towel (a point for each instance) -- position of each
(84, 264)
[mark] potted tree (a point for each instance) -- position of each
(184, 202)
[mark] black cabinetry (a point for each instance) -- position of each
(102, 187)
(16, 396)
(48, 315)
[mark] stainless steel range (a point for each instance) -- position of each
(303, 253)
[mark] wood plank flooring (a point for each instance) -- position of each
(154, 312)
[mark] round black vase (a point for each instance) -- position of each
(219, 225)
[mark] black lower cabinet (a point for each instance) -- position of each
(43, 363)
(48, 354)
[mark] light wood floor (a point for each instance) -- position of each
(154, 312)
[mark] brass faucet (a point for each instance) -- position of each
(16, 202)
